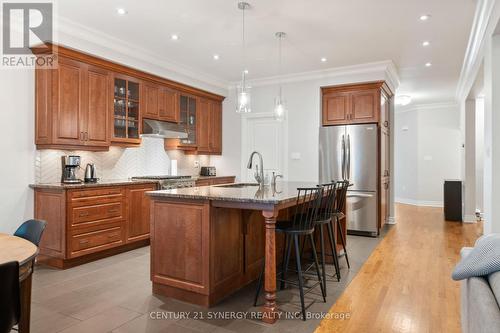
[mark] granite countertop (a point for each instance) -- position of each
(107, 182)
(285, 192)
(104, 182)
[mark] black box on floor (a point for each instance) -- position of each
(453, 200)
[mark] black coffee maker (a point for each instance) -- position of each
(69, 166)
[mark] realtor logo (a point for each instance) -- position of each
(26, 25)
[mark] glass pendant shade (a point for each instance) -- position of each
(279, 102)
(279, 108)
(243, 100)
(243, 91)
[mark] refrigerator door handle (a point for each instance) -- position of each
(343, 157)
(348, 168)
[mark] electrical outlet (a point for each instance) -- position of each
(196, 164)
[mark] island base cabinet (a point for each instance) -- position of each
(201, 254)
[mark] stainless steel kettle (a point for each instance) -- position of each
(90, 173)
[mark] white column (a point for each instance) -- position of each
(469, 209)
(492, 136)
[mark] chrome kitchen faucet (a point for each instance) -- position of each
(259, 174)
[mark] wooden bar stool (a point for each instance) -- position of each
(338, 213)
(301, 224)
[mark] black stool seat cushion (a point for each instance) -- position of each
(288, 228)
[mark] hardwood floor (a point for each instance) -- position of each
(405, 285)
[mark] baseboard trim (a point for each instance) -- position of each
(391, 220)
(424, 203)
(470, 219)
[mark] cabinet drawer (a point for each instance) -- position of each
(97, 240)
(96, 193)
(97, 212)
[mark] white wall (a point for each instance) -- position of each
(17, 147)
(479, 153)
(427, 151)
(303, 100)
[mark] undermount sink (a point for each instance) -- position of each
(238, 185)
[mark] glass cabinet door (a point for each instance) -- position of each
(126, 110)
(188, 118)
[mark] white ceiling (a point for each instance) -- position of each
(345, 32)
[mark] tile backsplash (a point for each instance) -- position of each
(120, 163)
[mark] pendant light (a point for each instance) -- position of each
(279, 102)
(243, 101)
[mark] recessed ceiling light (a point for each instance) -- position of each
(216, 57)
(426, 43)
(425, 17)
(174, 37)
(323, 59)
(121, 11)
(428, 64)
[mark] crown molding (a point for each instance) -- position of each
(482, 27)
(429, 106)
(386, 67)
(135, 53)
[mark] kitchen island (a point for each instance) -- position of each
(207, 242)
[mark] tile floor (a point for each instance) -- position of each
(114, 295)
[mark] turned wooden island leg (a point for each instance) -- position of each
(270, 313)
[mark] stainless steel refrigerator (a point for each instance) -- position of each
(351, 153)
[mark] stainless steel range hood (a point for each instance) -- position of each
(162, 130)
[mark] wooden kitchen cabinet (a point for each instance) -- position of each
(336, 108)
(209, 128)
(92, 222)
(96, 116)
(126, 111)
(160, 102)
(384, 201)
(90, 103)
(72, 106)
(365, 106)
(204, 126)
(215, 142)
(138, 208)
(168, 105)
(151, 100)
(68, 83)
(353, 104)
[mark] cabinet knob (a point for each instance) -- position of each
(386, 123)
(83, 214)
(86, 136)
(115, 210)
(83, 241)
